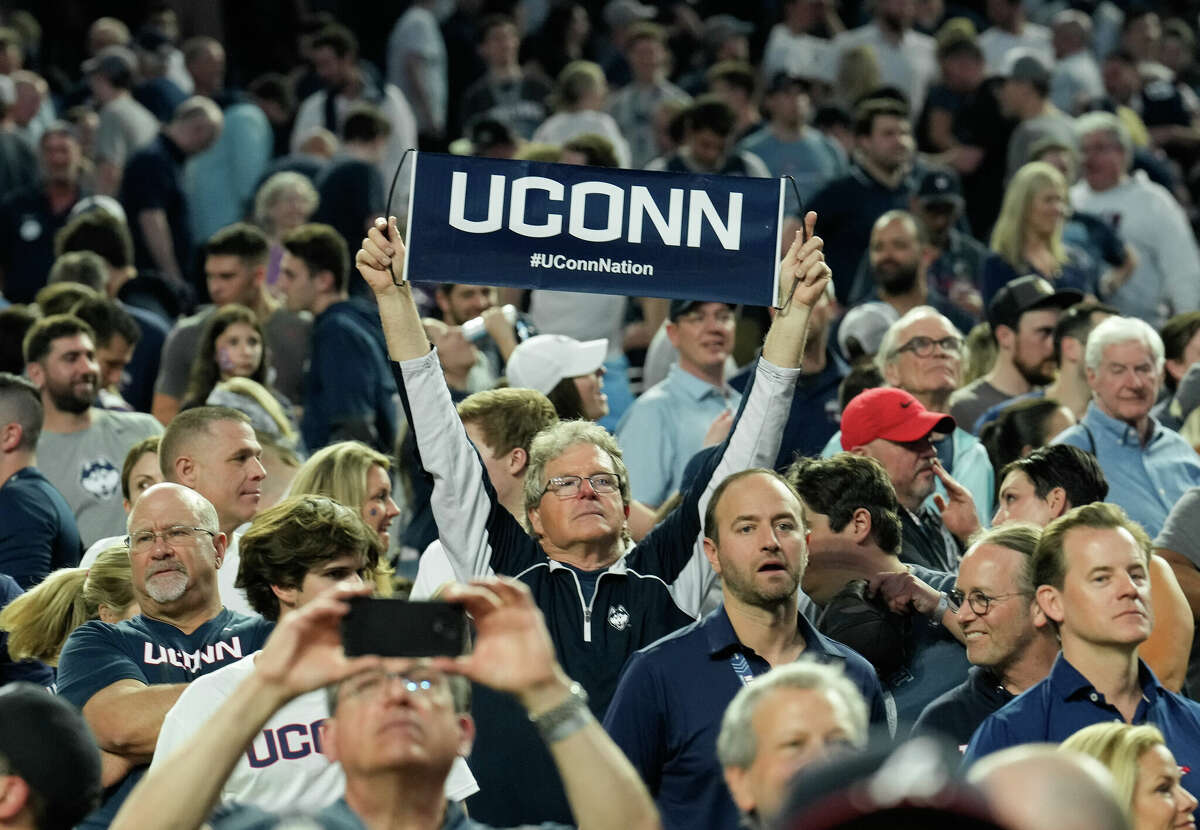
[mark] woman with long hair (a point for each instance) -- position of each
(1028, 236)
(355, 475)
(568, 372)
(232, 345)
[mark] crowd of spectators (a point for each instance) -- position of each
(920, 545)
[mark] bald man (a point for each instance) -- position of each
(126, 676)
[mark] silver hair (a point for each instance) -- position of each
(1116, 330)
(737, 743)
(1105, 122)
(887, 353)
(552, 442)
(276, 186)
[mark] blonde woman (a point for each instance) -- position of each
(39, 621)
(1028, 236)
(1148, 781)
(353, 474)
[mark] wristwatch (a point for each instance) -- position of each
(566, 718)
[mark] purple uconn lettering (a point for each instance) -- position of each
(153, 655)
(286, 743)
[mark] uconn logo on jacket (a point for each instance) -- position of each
(675, 235)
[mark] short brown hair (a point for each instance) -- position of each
(185, 426)
(43, 333)
(288, 540)
(711, 530)
(508, 418)
(1050, 561)
(838, 486)
(321, 248)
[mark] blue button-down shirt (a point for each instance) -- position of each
(1144, 480)
(1066, 702)
(667, 711)
(665, 427)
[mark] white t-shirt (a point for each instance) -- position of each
(285, 768)
(910, 64)
(563, 126)
(231, 597)
(433, 571)
(417, 32)
(997, 43)
(800, 55)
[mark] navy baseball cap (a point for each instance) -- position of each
(50, 746)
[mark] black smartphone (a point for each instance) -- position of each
(400, 628)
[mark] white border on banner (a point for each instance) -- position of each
(778, 241)
(412, 180)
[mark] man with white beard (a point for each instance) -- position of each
(126, 677)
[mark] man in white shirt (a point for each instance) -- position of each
(416, 64)
(1076, 76)
(906, 58)
(291, 553)
(1166, 280)
(335, 59)
(1010, 30)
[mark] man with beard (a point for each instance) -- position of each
(1148, 467)
(81, 448)
(666, 713)
(899, 257)
(126, 677)
(1023, 315)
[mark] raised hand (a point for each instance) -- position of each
(380, 260)
(305, 652)
(958, 513)
(513, 651)
(803, 269)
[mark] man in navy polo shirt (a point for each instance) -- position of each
(666, 713)
(1091, 575)
(125, 677)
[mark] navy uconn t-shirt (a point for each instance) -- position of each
(98, 654)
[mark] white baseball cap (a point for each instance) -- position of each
(542, 361)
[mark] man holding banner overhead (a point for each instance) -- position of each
(602, 600)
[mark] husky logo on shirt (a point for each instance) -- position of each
(618, 617)
(99, 478)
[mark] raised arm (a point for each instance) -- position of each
(478, 534)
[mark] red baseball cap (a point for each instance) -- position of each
(889, 413)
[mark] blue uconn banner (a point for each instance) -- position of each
(572, 228)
